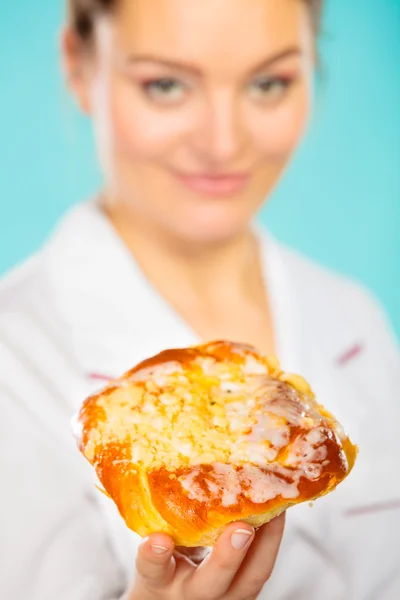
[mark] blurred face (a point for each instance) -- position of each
(198, 106)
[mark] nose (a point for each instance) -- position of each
(219, 138)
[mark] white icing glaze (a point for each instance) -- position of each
(207, 364)
(213, 487)
(308, 453)
(258, 482)
(158, 373)
(267, 486)
(191, 485)
(228, 480)
(226, 484)
(252, 366)
(268, 428)
(316, 436)
(260, 454)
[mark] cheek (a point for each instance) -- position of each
(139, 130)
(280, 131)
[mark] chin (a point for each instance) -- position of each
(214, 220)
(212, 229)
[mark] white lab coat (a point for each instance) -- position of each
(81, 309)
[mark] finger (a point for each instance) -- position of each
(194, 555)
(217, 571)
(260, 560)
(155, 563)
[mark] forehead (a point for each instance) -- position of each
(208, 31)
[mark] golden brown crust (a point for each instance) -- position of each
(193, 439)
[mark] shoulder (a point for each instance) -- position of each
(329, 286)
(23, 304)
(27, 308)
(17, 287)
(328, 289)
(63, 253)
(334, 304)
(37, 359)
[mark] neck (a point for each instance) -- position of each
(185, 272)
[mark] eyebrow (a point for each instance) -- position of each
(183, 66)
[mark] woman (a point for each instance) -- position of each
(193, 131)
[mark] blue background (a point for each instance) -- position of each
(339, 203)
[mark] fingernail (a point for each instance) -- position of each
(240, 538)
(159, 549)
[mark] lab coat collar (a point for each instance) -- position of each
(111, 310)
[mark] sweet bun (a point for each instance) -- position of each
(193, 439)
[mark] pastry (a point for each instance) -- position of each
(193, 439)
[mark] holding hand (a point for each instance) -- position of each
(238, 566)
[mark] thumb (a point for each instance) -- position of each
(155, 563)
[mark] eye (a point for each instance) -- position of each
(270, 88)
(165, 90)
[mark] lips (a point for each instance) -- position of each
(214, 185)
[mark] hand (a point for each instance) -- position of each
(238, 566)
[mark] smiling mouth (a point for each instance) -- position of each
(214, 185)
